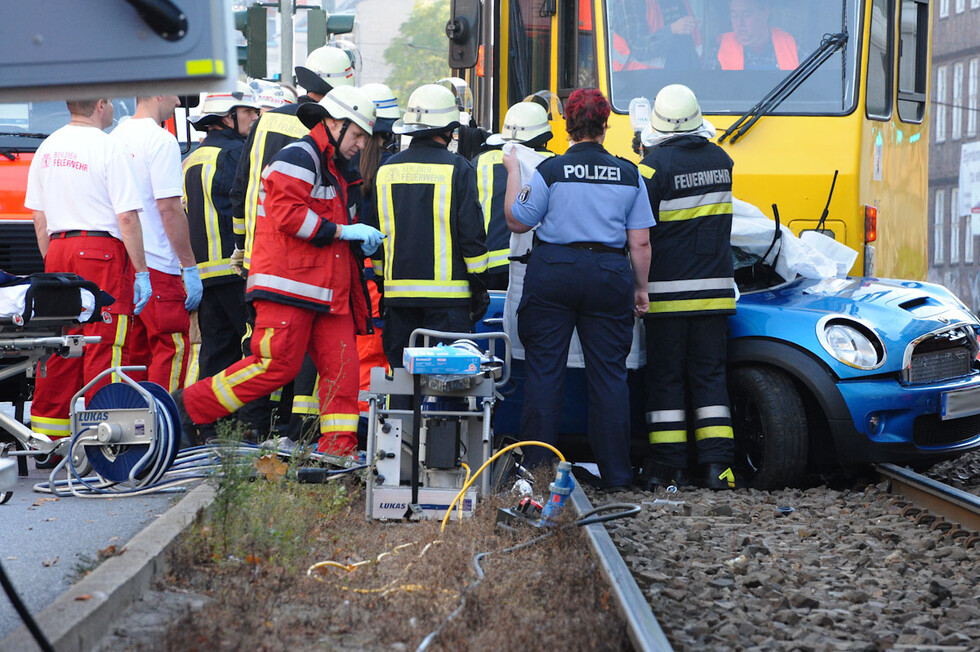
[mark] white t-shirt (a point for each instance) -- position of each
(81, 179)
(156, 162)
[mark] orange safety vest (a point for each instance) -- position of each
(732, 56)
(655, 21)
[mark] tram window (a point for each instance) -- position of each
(913, 65)
(880, 48)
(530, 48)
(577, 47)
(731, 53)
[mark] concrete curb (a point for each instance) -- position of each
(73, 625)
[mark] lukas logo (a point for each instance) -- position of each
(393, 505)
(92, 417)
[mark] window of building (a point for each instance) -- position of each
(954, 227)
(879, 92)
(956, 123)
(943, 8)
(974, 4)
(972, 98)
(938, 229)
(939, 104)
(913, 60)
(960, 6)
(967, 239)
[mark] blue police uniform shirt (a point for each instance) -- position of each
(584, 195)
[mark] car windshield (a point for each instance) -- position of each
(731, 52)
(38, 119)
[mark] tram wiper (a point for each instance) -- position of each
(830, 44)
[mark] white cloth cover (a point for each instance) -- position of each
(13, 301)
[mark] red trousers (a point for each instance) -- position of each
(282, 336)
(103, 261)
(159, 339)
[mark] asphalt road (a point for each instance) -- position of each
(44, 541)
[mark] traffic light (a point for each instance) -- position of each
(253, 25)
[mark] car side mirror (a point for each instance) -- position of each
(463, 32)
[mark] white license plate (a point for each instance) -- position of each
(960, 403)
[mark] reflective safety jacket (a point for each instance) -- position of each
(270, 133)
(426, 205)
(209, 173)
(689, 180)
(491, 185)
(731, 55)
(296, 258)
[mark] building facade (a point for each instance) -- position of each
(955, 148)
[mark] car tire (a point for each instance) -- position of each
(769, 420)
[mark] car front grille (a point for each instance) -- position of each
(943, 356)
(930, 431)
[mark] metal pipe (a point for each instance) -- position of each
(286, 10)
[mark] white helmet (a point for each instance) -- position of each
(384, 99)
(524, 121)
(342, 103)
(218, 105)
(430, 108)
(676, 110)
(326, 68)
(271, 95)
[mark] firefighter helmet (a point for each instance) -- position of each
(218, 105)
(384, 99)
(342, 103)
(271, 95)
(524, 121)
(676, 110)
(431, 108)
(326, 68)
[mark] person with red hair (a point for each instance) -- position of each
(588, 270)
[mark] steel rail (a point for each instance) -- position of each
(644, 630)
(952, 504)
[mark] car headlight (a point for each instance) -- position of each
(851, 343)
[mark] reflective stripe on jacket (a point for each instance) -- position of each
(426, 205)
(209, 173)
(270, 133)
(731, 55)
(296, 259)
(689, 180)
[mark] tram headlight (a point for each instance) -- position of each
(851, 343)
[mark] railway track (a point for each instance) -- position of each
(892, 564)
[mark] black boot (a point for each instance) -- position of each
(658, 475)
(188, 429)
(717, 476)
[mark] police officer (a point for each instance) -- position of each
(590, 210)
(208, 175)
(326, 68)
(692, 292)
(305, 281)
(525, 123)
(435, 257)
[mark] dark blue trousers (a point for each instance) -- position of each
(565, 288)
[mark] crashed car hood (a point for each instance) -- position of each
(898, 311)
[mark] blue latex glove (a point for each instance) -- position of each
(141, 292)
(369, 236)
(193, 286)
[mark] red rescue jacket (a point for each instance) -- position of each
(732, 56)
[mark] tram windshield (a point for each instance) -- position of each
(732, 52)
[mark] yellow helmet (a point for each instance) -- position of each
(342, 103)
(524, 121)
(430, 108)
(676, 110)
(384, 99)
(218, 105)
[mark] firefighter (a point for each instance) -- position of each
(588, 269)
(159, 338)
(208, 174)
(525, 123)
(434, 262)
(326, 68)
(692, 292)
(86, 205)
(306, 283)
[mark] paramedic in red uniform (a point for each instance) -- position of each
(306, 283)
(753, 44)
(85, 202)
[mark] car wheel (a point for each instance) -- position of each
(770, 427)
